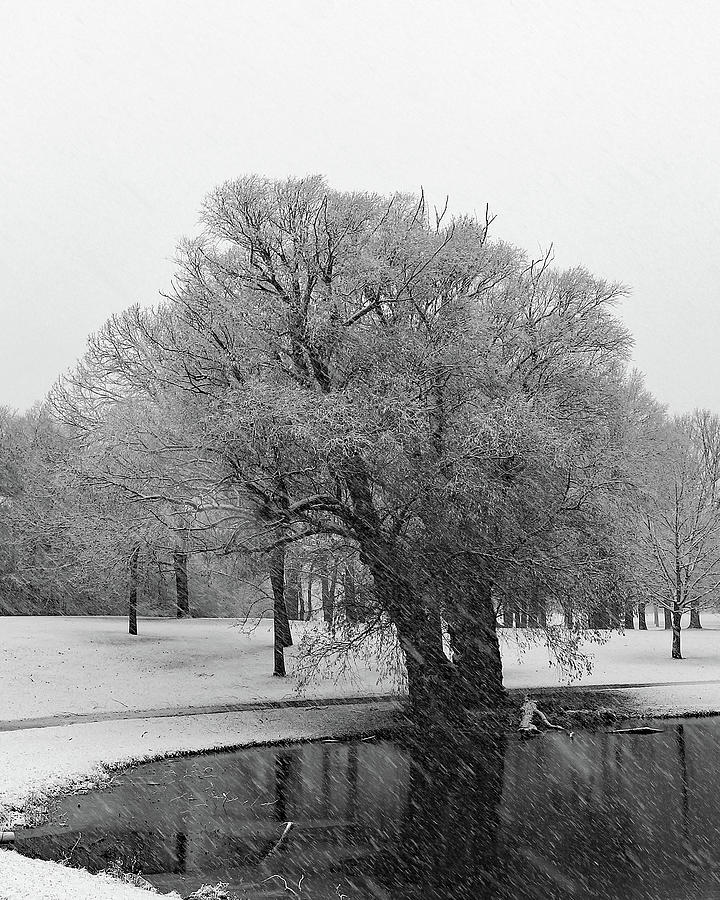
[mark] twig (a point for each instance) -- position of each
(288, 826)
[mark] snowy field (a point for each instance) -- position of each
(53, 666)
(632, 657)
(57, 667)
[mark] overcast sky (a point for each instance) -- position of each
(594, 126)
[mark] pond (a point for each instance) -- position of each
(599, 815)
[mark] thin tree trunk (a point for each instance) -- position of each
(328, 586)
(281, 627)
(180, 560)
(695, 614)
(162, 597)
(656, 615)
(325, 599)
(676, 654)
(642, 624)
(309, 604)
(568, 615)
(508, 614)
(542, 614)
(523, 615)
(292, 591)
(133, 590)
(300, 596)
(534, 604)
(628, 620)
(537, 617)
(349, 595)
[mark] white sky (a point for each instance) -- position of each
(591, 125)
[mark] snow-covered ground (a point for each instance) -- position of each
(632, 657)
(56, 667)
(36, 879)
(53, 666)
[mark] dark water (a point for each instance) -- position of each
(602, 815)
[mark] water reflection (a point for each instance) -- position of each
(473, 816)
(447, 838)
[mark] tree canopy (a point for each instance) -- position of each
(334, 371)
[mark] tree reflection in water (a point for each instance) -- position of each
(448, 840)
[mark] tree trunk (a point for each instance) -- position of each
(542, 615)
(476, 651)
(522, 614)
(668, 618)
(162, 593)
(695, 614)
(419, 632)
(533, 619)
(133, 590)
(181, 582)
(292, 591)
(429, 674)
(537, 616)
(325, 596)
(281, 626)
(568, 615)
(656, 616)
(329, 586)
(628, 620)
(309, 603)
(599, 617)
(642, 624)
(508, 614)
(349, 595)
(676, 615)
(301, 597)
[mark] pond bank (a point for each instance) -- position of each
(75, 758)
(614, 759)
(70, 758)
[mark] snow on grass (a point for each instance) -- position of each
(51, 665)
(35, 879)
(632, 657)
(55, 666)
